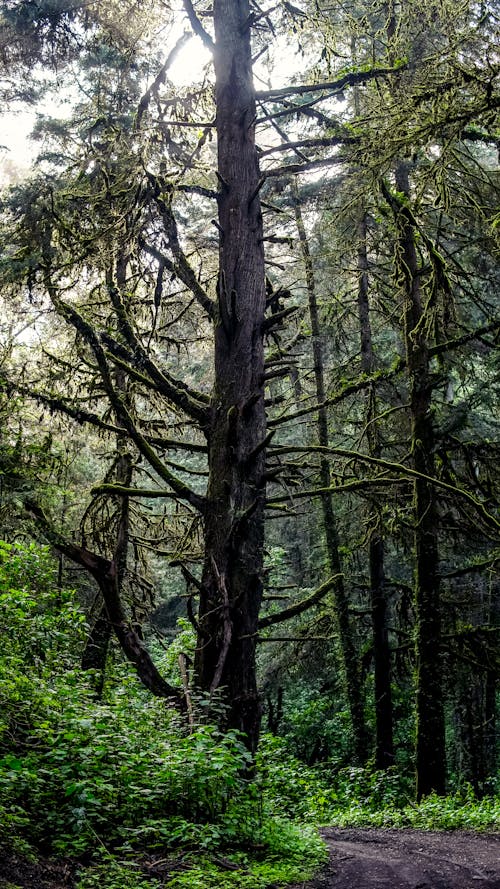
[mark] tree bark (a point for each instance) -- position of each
(430, 725)
(95, 653)
(384, 743)
(231, 588)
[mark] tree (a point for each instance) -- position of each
(233, 420)
(349, 653)
(231, 586)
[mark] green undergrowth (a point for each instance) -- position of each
(459, 811)
(289, 853)
(356, 797)
(140, 800)
(123, 781)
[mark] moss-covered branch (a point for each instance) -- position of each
(104, 571)
(351, 78)
(194, 403)
(390, 466)
(300, 607)
(117, 402)
(123, 491)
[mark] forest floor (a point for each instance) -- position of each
(409, 859)
(16, 871)
(359, 859)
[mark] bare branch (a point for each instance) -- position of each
(348, 389)
(182, 270)
(320, 142)
(390, 466)
(295, 169)
(159, 80)
(117, 402)
(194, 404)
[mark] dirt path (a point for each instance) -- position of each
(409, 859)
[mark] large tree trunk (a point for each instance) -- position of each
(430, 726)
(234, 520)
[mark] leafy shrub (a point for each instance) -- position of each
(313, 726)
(122, 774)
(71, 767)
(289, 786)
(113, 874)
(356, 797)
(288, 853)
(118, 769)
(167, 661)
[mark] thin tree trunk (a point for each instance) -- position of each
(231, 590)
(384, 744)
(490, 706)
(490, 730)
(95, 653)
(348, 648)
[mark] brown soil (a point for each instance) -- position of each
(409, 859)
(16, 871)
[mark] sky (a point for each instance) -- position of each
(17, 151)
(16, 124)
